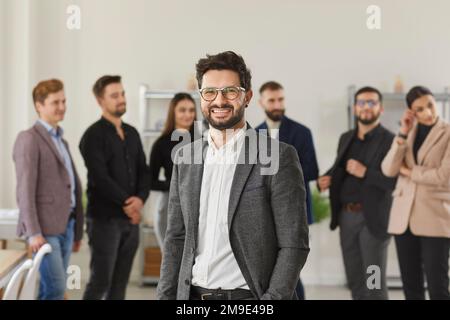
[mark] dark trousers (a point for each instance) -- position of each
(423, 255)
(361, 250)
(113, 245)
(300, 290)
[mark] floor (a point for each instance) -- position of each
(137, 292)
(148, 292)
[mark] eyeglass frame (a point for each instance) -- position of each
(241, 89)
(368, 101)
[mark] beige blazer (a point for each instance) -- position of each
(423, 200)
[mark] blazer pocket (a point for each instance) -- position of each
(253, 187)
(44, 199)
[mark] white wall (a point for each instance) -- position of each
(3, 152)
(15, 98)
(314, 48)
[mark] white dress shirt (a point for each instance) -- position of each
(274, 128)
(215, 265)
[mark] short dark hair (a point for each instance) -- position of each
(415, 93)
(227, 60)
(102, 83)
(270, 85)
(369, 89)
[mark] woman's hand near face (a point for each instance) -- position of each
(407, 121)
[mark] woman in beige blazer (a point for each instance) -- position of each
(420, 213)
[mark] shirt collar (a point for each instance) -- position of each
(235, 138)
(111, 125)
(57, 132)
(369, 135)
(273, 124)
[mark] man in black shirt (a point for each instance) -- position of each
(117, 189)
(361, 198)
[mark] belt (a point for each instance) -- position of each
(353, 207)
(199, 293)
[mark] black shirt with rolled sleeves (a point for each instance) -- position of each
(117, 169)
(352, 186)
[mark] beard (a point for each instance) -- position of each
(236, 116)
(368, 121)
(119, 112)
(275, 115)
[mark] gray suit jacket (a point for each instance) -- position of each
(43, 186)
(267, 223)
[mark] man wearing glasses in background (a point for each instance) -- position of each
(234, 233)
(361, 197)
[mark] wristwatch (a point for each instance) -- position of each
(401, 135)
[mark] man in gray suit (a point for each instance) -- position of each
(237, 225)
(48, 189)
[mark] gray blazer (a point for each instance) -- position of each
(267, 223)
(43, 186)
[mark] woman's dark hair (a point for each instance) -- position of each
(227, 60)
(169, 127)
(415, 93)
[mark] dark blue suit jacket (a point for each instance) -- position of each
(300, 137)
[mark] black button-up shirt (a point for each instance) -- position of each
(351, 191)
(117, 168)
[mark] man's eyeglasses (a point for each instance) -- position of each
(229, 93)
(371, 103)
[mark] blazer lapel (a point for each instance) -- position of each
(343, 149)
(78, 188)
(435, 133)
(243, 168)
(284, 130)
(46, 136)
(196, 185)
(409, 157)
(263, 126)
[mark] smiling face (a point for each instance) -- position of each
(424, 109)
(113, 100)
(53, 109)
(368, 108)
(223, 113)
(184, 114)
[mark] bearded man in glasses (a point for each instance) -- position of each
(361, 197)
(237, 226)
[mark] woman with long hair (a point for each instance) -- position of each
(180, 120)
